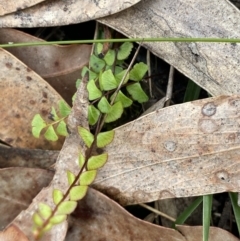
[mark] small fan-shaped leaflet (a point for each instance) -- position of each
(104, 138)
(64, 108)
(71, 177)
(50, 134)
(44, 210)
(57, 196)
(37, 125)
(124, 50)
(53, 114)
(86, 178)
(86, 135)
(126, 102)
(107, 80)
(81, 160)
(120, 75)
(93, 91)
(62, 128)
(37, 219)
(78, 192)
(99, 48)
(96, 63)
(138, 71)
(104, 106)
(92, 75)
(95, 162)
(66, 207)
(115, 112)
(110, 57)
(56, 219)
(93, 115)
(137, 93)
(118, 70)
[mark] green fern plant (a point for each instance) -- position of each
(111, 88)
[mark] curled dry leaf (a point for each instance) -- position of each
(22, 157)
(99, 218)
(58, 12)
(12, 5)
(23, 94)
(59, 65)
(13, 233)
(18, 187)
(212, 66)
(183, 150)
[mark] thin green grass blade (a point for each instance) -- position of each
(207, 208)
(236, 208)
(188, 211)
(192, 91)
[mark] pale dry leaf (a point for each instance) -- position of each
(67, 160)
(23, 94)
(23, 157)
(58, 12)
(13, 233)
(184, 150)
(215, 67)
(100, 218)
(58, 65)
(216, 234)
(18, 187)
(10, 6)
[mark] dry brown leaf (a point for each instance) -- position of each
(10, 6)
(184, 150)
(215, 67)
(59, 65)
(58, 12)
(99, 218)
(18, 187)
(22, 157)
(13, 233)
(217, 234)
(23, 94)
(67, 160)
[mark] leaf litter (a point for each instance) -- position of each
(211, 65)
(58, 65)
(18, 187)
(207, 126)
(99, 218)
(58, 12)
(23, 93)
(184, 150)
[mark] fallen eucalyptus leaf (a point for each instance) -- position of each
(58, 65)
(100, 218)
(12, 6)
(18, 187)
(21, 157)
(184, 150)
(23, 94)
(58, 12)
(213, 66)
